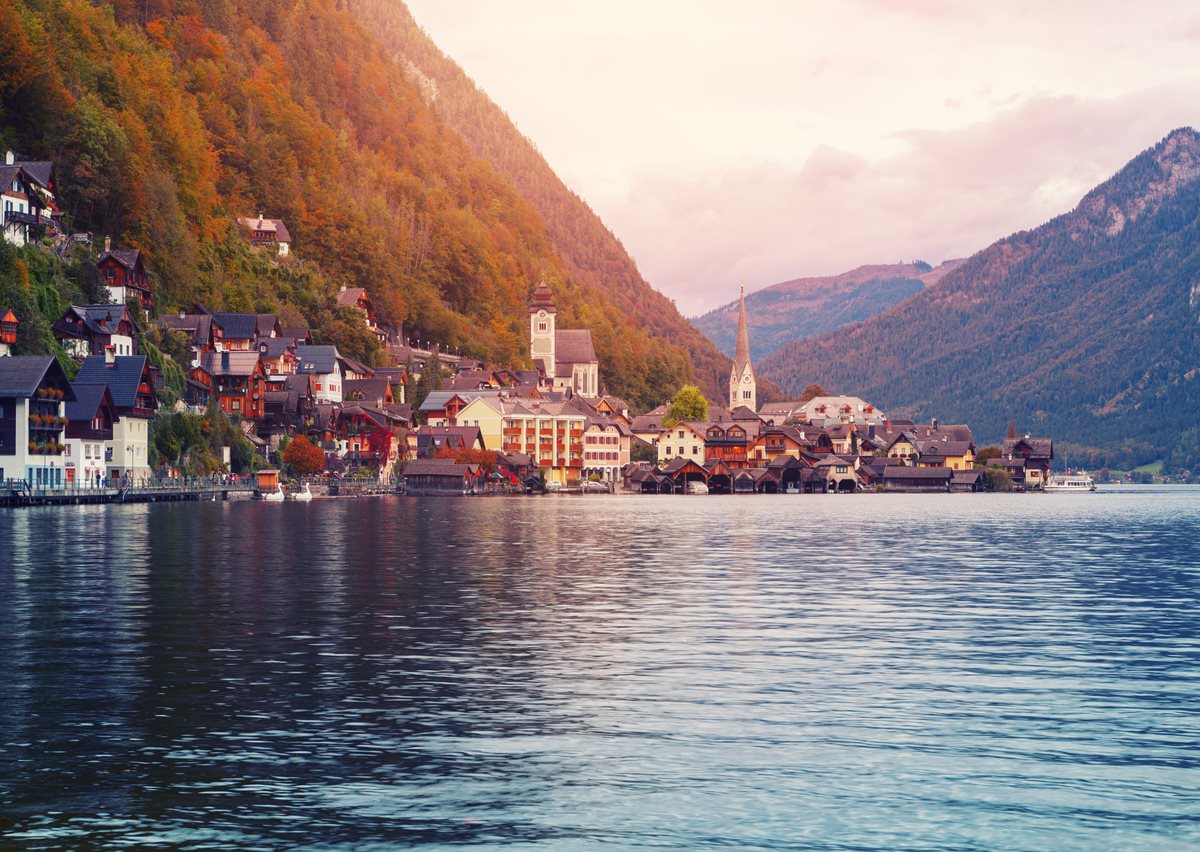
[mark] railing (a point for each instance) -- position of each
(14, 217)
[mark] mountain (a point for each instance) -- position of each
(806, 307)
(590, 252)
(169, 118)
(1084, 329)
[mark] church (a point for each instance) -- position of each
(565, 357)
(743, 388)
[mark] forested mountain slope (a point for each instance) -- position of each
(1085, 329)
(806, 307)
(169, 118)
(591, 253)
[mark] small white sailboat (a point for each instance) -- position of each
(275, 496)
(305, 495)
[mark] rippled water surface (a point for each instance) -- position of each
(792, 672)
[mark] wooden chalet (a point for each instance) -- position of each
(90, 329)
(236, 379)
(125, 275)
(1035, 454)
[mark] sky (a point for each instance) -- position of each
(764, 141)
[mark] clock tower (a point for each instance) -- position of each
(743, 388)
(541, 329)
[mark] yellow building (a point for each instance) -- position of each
(684, 440)
(551, 433)
(487, 413)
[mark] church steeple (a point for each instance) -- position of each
(743, 388)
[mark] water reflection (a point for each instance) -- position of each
(787, 672)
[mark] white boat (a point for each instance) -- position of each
(275, 496)
(304, 495)
(697, 488)
(1070, 482)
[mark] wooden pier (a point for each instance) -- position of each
(19, 493)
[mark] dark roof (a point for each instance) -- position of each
(39, 170)
(122, 378)
(968, 476)
(350, 296)
(436, 467)
(901, 472)
(298, 334)
(265, 324)
(237, 326)
(356, 366)
(275, 347)
(944, 448)
(320, 360)
(126, 257)
(93, 315)
(573, 346)
(22, 375)
(1039, 447)
(401, 411)
(88, 397)
(373, 390)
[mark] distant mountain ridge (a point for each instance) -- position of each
(806, 307)
(1086, 328)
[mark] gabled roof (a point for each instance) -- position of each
(41, 171)
(371, 390)
(99, 319)
(129, 258)
(320, 360)
(229, 363)
(351, 295)
(275, 347)
(1042, 448)
(299, 334)
(573, 346)
(258, 223)
(353, 366)
(122, 377)
(265, 324)
(89, 397)
(436, 400)
(237, 326)
(944, 448)
(436, 467)
(22, 375)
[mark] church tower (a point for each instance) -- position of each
(743, 389)
(541, 329)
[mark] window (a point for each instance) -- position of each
(695, 450)
(236, 405)
(541, 326)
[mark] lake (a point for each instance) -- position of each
(605, 672)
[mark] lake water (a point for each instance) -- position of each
(792, 672)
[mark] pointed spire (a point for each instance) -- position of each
(742, 354)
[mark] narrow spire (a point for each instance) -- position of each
(742, 355)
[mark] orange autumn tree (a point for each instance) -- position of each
(302, 457)
(486, 459)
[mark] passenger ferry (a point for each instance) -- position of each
(1070, 482)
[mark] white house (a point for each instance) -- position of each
(131, 383)
(33, 390)
(324, 364)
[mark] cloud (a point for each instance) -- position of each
(944, 194)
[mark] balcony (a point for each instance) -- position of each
(12, 217)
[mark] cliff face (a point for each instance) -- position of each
(592, 255)
(1085, 328)
(167, 119)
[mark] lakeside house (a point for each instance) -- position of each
(91, 417)
(268, 233)
(130, 380)
(33, 392)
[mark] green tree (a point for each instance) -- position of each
(986, 454)
(688, 404)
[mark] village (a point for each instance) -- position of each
(311, 411)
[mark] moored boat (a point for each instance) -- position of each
(1070, 482)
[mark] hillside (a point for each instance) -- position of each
(1085, 329)
(168, 118)
(590, 252)
(806, 307)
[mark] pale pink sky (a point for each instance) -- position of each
(771, 140)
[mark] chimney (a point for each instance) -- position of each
(108, 243)
(887, 425)
(110, 356)
(10, 158)
(933, 422)
(870, 430)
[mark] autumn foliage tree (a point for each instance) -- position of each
(303, 457)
